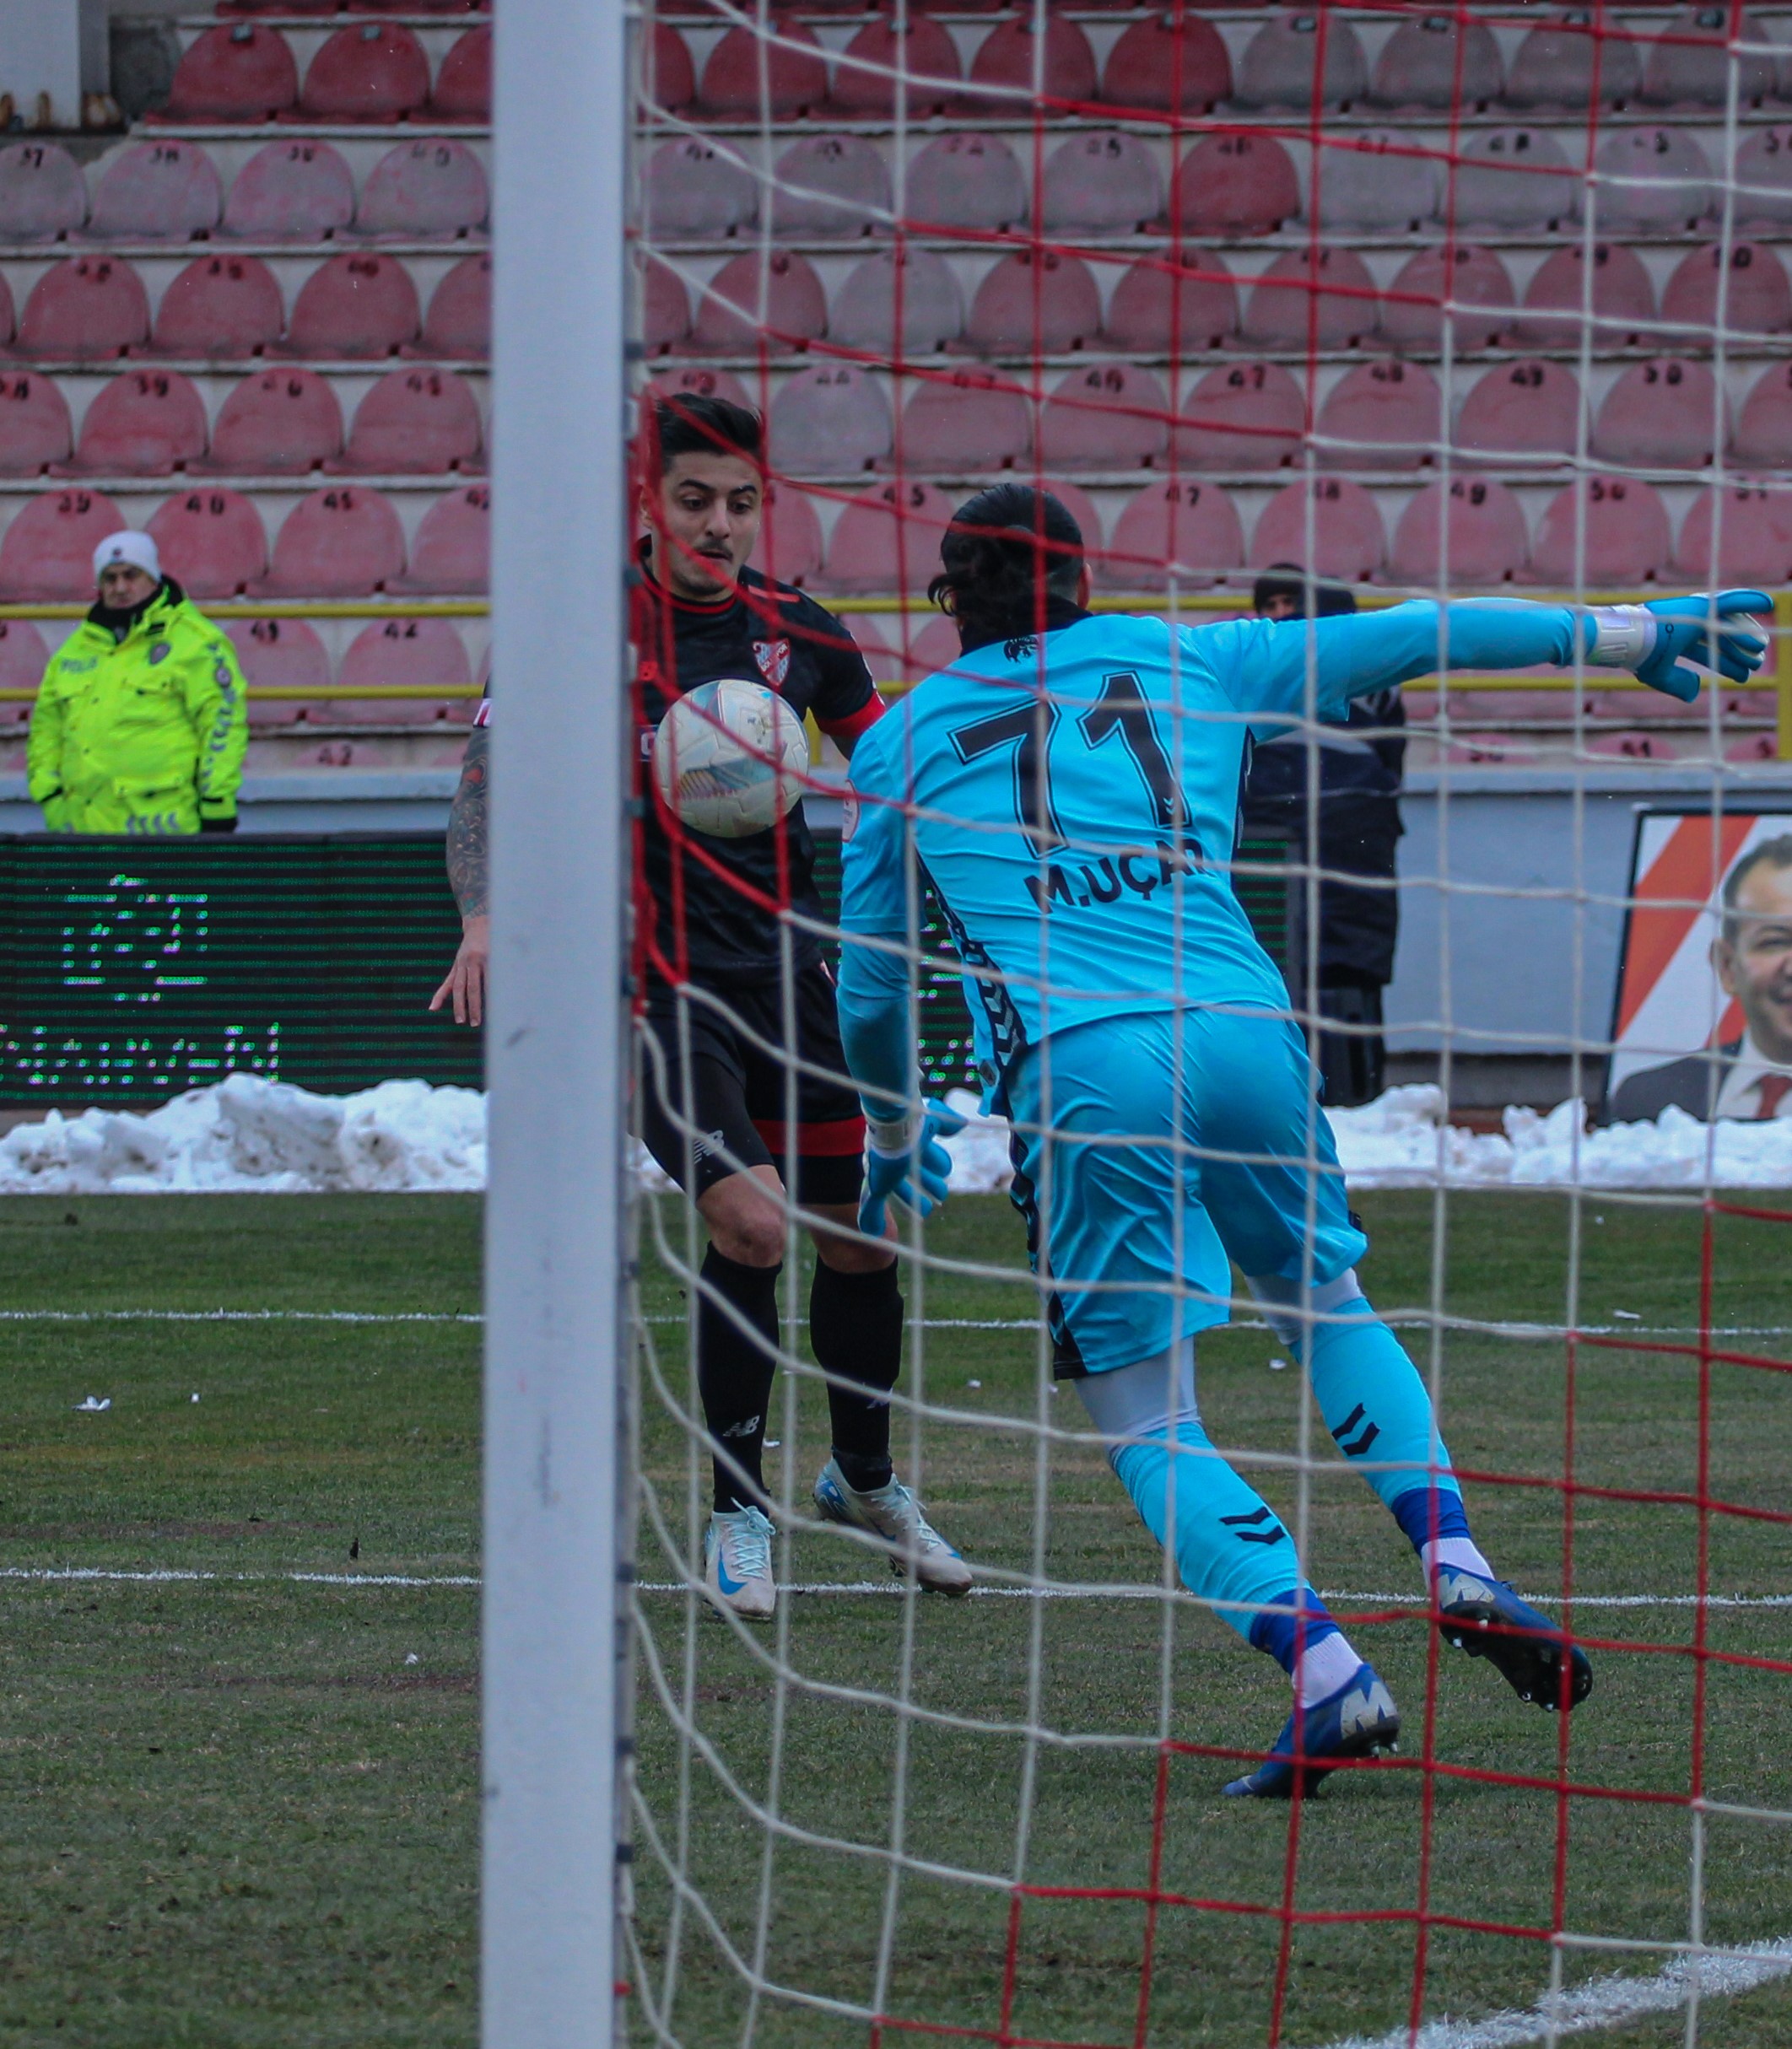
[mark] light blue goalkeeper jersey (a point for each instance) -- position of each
(1072, 801)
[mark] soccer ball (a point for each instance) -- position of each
(730, 757)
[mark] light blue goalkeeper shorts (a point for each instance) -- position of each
(1146, 1167)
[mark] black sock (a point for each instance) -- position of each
(855, 1332)
(734, 1372)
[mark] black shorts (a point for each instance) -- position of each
(741, 1085)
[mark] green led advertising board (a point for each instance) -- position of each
(133, 969)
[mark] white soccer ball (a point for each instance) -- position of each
(729, 758)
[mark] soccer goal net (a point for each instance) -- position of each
(1154, 633)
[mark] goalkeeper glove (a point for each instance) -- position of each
(902, 1154)
(1655, 641)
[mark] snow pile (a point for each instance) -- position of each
(255, 1135)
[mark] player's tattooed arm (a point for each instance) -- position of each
(469, 876)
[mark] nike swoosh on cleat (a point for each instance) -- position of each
(728, 1586)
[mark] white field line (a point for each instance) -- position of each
(1600, 2004)
(236, 1316)
(891, 1587)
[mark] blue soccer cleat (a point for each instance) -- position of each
(1359, 1720)
(1487, 1620)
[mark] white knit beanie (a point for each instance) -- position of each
(130, 546)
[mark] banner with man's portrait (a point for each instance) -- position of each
(1703, 1021)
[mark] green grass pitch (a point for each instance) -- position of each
(243, 1811)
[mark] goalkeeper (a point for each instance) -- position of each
(1068, 789)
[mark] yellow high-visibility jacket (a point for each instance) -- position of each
(141, 734)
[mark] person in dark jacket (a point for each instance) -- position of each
(1359, 766)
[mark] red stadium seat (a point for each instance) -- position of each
(700, 381)
(1082, 510)
(1378, 179)
(933, 647)
(1754, 539)
(966, 181)
(1762, 180)
(887, 541)
(1521, 412)
(414, 422)
(1626, 538)
(6, 312)
(463, 84)
(864, 309)
(797, 77)
(237, 71)
(460, 319)
(1153, 312)
(757, 300)
(1241, 416)
(828, 421)
(1347, 541)
(353, 305)
(42, 192)
(1469, 531)
(1561, 62)
(923, 56)
(1515, 178)
(671, 83)
(976, 420)
(868, 629)
(1101, 182)
(1005, 60)
(426, 653)
(1651, 178)
(147, 422)
(790, 543)
(1764, 436)
(1162, 65)
(1437, 61)
(666, 306)
(1113, 416)
(699, 188)
(273, 653)
(1282, 63)
(1757, 297)
(1465, 278)
(342, 542)
(1044, 303)
(452, 555)
(35, 427)
(211, 541)
(1328, 294)
(24, 657)
(1690, 65)
(290, 191)
(1187, 532)
(161, 191)
(1235, 183)
(85, 308)
(830, 184)
(279, 423)
(423, 189)
(1623, 298)
(1381, 416)
(220, 307)
(47, 552)
(375, 71)
(1664, 414)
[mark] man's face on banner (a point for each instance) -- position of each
(1755, 965)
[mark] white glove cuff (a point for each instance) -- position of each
(1623, 636)
(893, 1139)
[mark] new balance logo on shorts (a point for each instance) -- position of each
(745, 1428)
(709, 1145)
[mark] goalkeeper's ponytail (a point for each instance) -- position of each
(1008, 553)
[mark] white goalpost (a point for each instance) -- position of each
(555, 1551)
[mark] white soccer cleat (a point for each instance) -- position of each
(737, 1563)
(893, 1513)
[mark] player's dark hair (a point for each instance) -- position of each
(1289, 580)
(1007, 551)
(1778, 851)
(695, 424)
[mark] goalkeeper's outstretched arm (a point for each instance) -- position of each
(1354, 653)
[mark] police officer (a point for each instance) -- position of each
(141, 722)
(1359, 829)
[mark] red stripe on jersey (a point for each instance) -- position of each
(860, 721)
(839, 1139)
